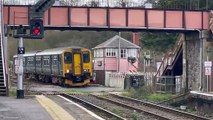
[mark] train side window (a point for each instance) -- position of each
(38, 60)
(55, 60)
(46, 60)
(68, 57)
(86, 57)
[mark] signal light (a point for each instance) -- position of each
(36, 28)
(36, 31)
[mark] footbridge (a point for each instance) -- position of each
(111, 18)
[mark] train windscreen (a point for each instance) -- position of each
(68, 57)
(86, 57)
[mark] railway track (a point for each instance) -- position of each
(102, 112)
(155, 110)
(132, 106)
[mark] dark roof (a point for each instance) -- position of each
(114, 43)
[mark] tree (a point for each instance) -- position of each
(94, 3)
(159, 42)
(185, 4)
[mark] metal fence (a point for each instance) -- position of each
(161, 4)
(169, 84)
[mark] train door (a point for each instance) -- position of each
(77, 64)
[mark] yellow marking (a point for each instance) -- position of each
(55, 111)
(83, 108)
(77, 64)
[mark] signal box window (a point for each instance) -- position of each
(68, 57)
(86, 57)
(123, 53)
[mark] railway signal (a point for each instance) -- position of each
(36, 28)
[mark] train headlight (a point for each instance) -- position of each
(86, 70)
(68, 71)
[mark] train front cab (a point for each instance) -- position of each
(77, 67)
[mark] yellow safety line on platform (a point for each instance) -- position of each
(55, 111)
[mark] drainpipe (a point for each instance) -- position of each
(201, 60)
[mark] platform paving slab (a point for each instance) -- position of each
(22, 109)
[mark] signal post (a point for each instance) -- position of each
(36, 32)
(21, 50)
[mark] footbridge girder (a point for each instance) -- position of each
(104, 18)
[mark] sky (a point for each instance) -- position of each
(32, 1)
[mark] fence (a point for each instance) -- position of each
(169, 84)
(161, 4)
(114, 80)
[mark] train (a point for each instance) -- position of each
(67, 66)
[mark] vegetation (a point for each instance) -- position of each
(158, 42)
(148, 94)
(12, 91)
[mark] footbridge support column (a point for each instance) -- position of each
(193, 74)
(184, 81)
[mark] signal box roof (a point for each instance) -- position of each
(114, 43)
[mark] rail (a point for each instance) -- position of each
(170, 56)
(162, 4)
(97, 108)
(167, 110)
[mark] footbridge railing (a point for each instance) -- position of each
(161, 4)
(170, 57)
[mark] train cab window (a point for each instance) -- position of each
(86, 57)
(68, 57)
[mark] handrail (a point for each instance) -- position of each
(2, 47)
(170, 56)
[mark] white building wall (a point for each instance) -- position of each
(114, 80)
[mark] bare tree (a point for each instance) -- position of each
(122, 3)
(94, 3)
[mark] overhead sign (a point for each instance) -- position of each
(208, 63)
(208, 71)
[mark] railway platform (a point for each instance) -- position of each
(202, 95)
(42, 108)
(22, 109)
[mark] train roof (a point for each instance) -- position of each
(56, 51)
(32, 53)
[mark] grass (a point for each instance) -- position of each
(147, 93)
(118, 112)
(12, 91)
(156, 97)
(191, 110)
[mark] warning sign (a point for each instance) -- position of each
(208, 70)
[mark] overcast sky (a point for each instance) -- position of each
(24, 2)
